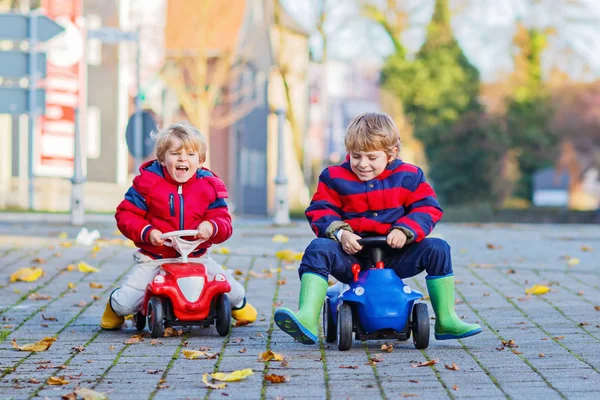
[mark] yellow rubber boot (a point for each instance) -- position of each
(110, 320)
(245, 314)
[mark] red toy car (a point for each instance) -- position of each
(182, 295)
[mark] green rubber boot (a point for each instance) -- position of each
(304, 324)
(447, 324)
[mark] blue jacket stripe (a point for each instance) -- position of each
(217, 203)
(135, 198)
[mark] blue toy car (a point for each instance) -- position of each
(376, 305)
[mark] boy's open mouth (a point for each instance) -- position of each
(181, 170)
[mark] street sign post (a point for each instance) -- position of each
(33, 28)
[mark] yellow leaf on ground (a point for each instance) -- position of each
(537, 290)
(57, 380)
(27, 274)
(63, 235)
(276, 378)
(41, 345)
(95, 249)
(195, 354)
(279, 238)
(85, 267)
(220, 250)
(94, 285)
(129, 243)
(269, 355)
(572, 262)
(233, 376)
(212, 385)
(70, 268)
(288, 255)
(89, 394)
(66, 244)
(71, 286)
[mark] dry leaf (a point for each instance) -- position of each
(212, 385)
(94, 285)
(95, 249)
(276, 378)
(233, 376)
(537, 290)
(154, 371)
(63, 235)
(413, 381)
(238, 272)
(559, 337)
(155, 342)
(597, 308)
(492, 246)
(37, 296)
(56, 380)
(425, 363)
(70, 267)
(71, 286)
(169, 331)
(541, 355)
(572, 262)
(241, 322)
(220, 250)
(288, 255)
(452, 367)
(27, 274)
(243, 350)
(455, 387)
(85, 267)
(41, 345)
(195, 354)
(349, 366)
(66, 245)
(38, 261)
(279, 238)
(387, 347)
(269, 355)
(586, 248)
(135, 339)
(89, 394)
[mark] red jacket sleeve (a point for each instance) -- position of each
(131, 214)
(217, 212)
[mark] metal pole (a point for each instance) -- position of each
(138, 109)
(282, 207)
(32, 35)
(77, 205)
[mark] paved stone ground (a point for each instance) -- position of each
(551, 350)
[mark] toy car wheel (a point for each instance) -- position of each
(344, 327)
(223, 315)
(140, 321)
(328, 324)
(420, 326)
(156, 317)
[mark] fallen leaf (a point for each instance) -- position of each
(195, 354)
(37, 296)
(282, 281)
(586, 248)
(597, 308)
(134, 339)
(537, 290)
(486, 294)
(452, 367)
(63, 235)
(541, 355)
(387, 347)
(572, 262)
(78, 349)
(41, 345)
(288, 255)
(89, 394)
(66, 245)
(71, 286)
(276, 378)
(238, 272)
(455, 387)
(154, 371)
(94, 285)
(56, 380)
(517, 351)
(279, 238)
(38, 261)
(580, 293)
(243, 350)
(155, 342)
(33, 380)
(241, 322)
(220, 250)
(95, 249)
(85, 267)
(27, 274)
(233, 376)
(492, 246)
(559, 337)
(81, 304)
(349, 366)
(169, 331)
(425, 363)
(212, 385)
(413, 381)
(269, 355)
(70, 267)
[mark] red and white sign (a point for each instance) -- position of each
(65, 91)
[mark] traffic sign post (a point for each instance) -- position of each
(14, 65)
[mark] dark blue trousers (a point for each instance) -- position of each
(325, 256)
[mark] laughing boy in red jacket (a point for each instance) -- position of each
(373, 193)
(173, 192)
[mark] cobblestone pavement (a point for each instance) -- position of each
(532, 347)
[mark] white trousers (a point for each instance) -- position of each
(128, 298)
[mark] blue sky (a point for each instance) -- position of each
(484, 28)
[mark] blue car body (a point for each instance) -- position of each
(381, 298)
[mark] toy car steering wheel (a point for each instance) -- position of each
(373, 241)
(183, 247)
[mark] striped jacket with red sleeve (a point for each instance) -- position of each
(398, 198)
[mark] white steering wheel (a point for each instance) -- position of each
(183, 247)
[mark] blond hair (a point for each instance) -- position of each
(372, 132)
(190, 137)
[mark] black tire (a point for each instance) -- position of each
(329, 328)
(223, 315)
(140, 321)
(156, 317)
(344, 328)
(420, 326)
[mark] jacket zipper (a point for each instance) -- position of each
(172, 204)
(180, 193)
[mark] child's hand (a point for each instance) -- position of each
(396, 239)
(205, 230)
(155, 239)
(350, 243)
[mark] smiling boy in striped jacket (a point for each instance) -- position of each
(373, 193)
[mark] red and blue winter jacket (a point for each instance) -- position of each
(398, 198)
(157, 201)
